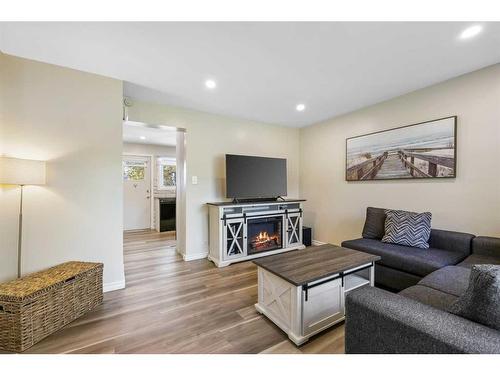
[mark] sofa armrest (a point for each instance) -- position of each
(451, 241)
(378, 321)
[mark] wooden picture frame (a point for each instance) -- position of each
(418, 151)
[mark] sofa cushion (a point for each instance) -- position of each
(429, 296)
(408, 259)
(479, 259)
(375, 223)
(451, 280)
(487, 246)
(394, 280)
(407, 228)
(481, 301)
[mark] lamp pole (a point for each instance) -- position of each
(20, 172)
(20, 240)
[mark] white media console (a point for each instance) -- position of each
(242, 231)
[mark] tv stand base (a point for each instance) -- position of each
(230, 229)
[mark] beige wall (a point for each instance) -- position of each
(72, 120)
(471, 202)
(9, 208)
(208, 138)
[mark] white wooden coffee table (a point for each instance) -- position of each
(303, 291)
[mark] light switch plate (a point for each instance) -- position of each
(194, 180)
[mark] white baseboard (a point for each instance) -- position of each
(188, 257)
(109, 287)
(317, 243)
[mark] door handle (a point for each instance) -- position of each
(147, 197)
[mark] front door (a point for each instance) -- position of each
(136, 192)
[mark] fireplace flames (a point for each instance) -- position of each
(263, 239)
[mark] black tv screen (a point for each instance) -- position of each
(255, 177)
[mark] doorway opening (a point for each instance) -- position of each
(151, 181)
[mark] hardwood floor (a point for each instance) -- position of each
(172, 306)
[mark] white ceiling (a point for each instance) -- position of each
(262, 69)
(153, 135)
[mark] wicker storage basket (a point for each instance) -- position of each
(33, 307)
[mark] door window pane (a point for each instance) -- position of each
(133, 171)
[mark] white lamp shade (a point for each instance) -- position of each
(21, 171)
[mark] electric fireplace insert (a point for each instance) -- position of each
(264, 234)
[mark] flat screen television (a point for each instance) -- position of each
(255, 177)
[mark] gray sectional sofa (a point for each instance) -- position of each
(416, 320)
(403, 266)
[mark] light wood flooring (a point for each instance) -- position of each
(172, 306)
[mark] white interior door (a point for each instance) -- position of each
(136, 192)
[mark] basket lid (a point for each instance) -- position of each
(29, 285)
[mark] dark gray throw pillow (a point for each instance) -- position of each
(374, 228)
(481, 301)
(407, 228)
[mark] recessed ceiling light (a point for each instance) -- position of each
(471, 32)
(300, 107)
(142, 137)
(210, 84)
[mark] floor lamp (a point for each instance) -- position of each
(21, 172)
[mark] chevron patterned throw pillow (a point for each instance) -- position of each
(407, 228)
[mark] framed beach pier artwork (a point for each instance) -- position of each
(423, 150)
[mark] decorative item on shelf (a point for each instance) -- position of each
(423, 150)
(21, 172)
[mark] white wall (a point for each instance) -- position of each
(471, 202)
(73, 121)
(208, 138)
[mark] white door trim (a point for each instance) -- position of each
(151, 182)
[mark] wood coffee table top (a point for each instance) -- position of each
(300, 267)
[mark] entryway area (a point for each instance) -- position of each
(149, 170)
